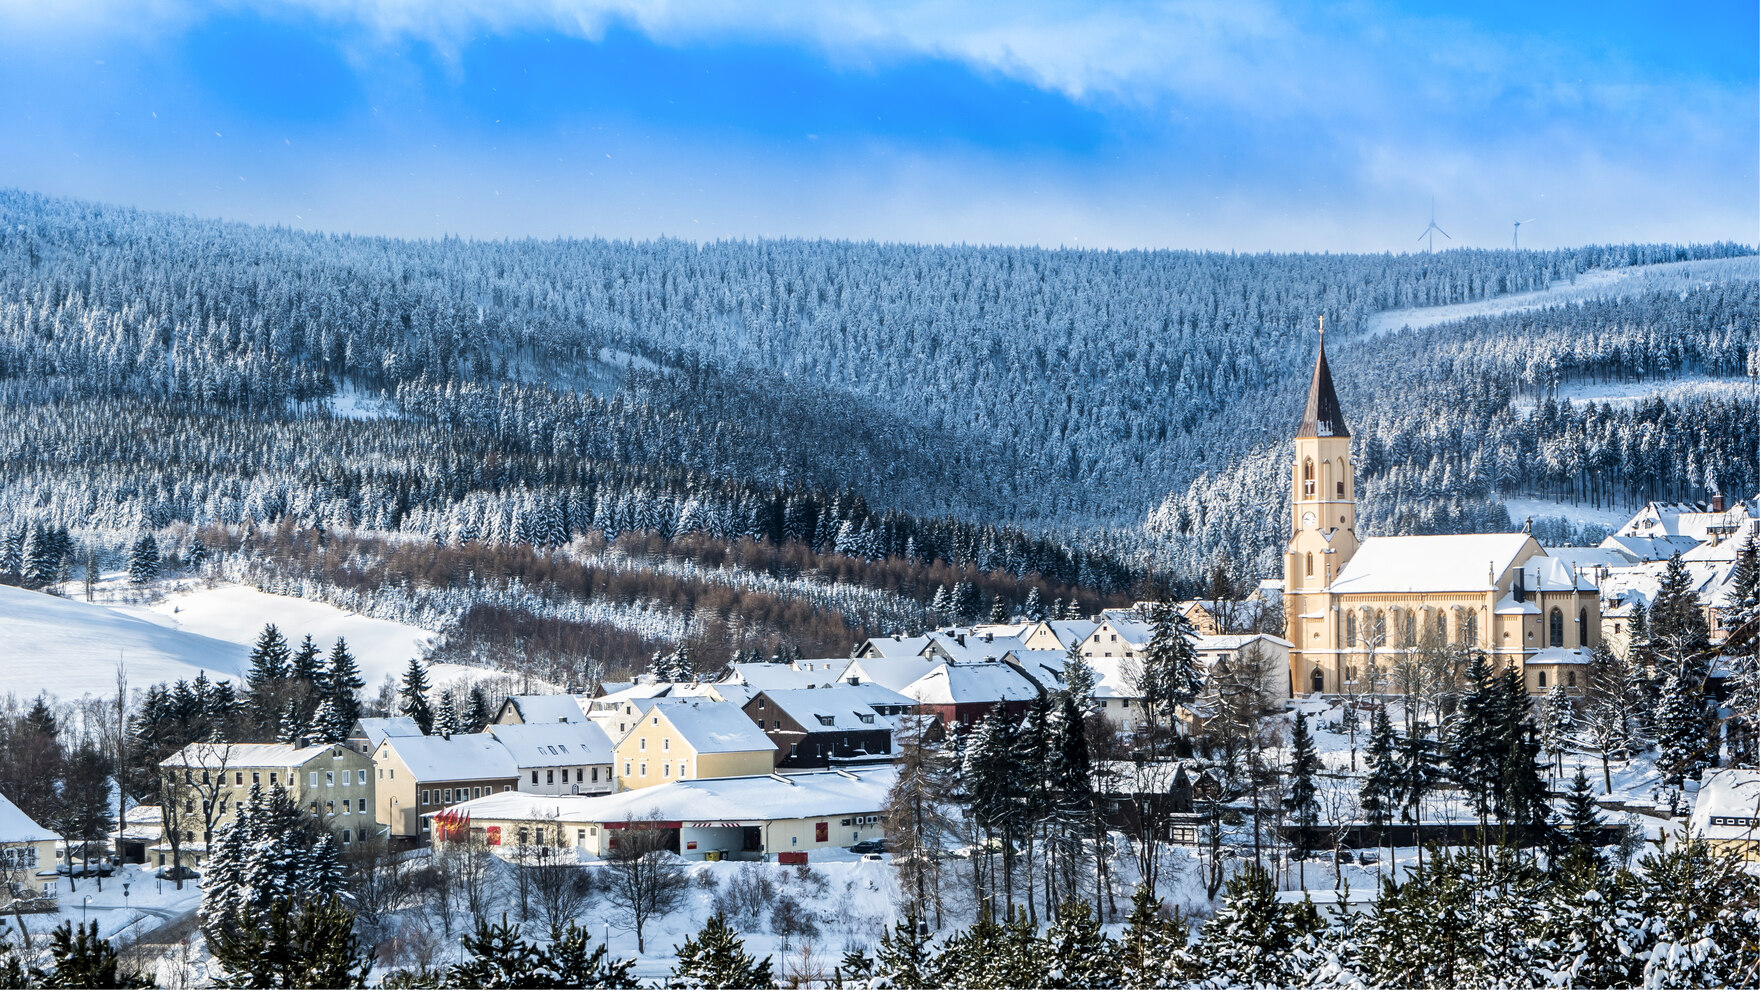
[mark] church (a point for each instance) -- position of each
(1354, 607)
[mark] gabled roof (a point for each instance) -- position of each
(715, 727)
(782, 677)
(214, 756)
(1134, 633)
(827, 709)
(971, 683)
(1069, 632)
(892, 647)
(16, 826)
(554, 744)
(1728, 805)
(547, 707)
(1403, 564)
(965, 647)
(895, 673)
(1323, 416)
(472, 756)
(1651, 547)
(374, 730)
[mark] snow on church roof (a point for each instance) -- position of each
(1406, 564)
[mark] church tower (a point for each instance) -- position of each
(1323, 496)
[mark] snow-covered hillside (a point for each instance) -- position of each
(70, 648)
(1604, 283)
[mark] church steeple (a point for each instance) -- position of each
(1323, 417)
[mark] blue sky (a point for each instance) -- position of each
(1230, 125)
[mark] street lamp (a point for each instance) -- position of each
(83, 910)
(125, 894)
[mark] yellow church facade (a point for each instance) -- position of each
(1360, 611)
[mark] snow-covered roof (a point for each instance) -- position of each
(1069, 632)
(1115, 677)
(470, 756)
(1044, 666)
(1408, 564)
(1133, 632)
(548, 707)
(827, 709)
(1693, 520)
(1728, 805)
(720, 800)
(554, 744)
(1552, 574)
(16, 826)
(964, 647)
(1239, 641)
(895, 673)
(374, 730)
(734, 694)
(213, 756)
(1014, 630)
(899, 647)
(782, 677)
(1651, 547)
(715, 727)
(1587, 558)
(971, 683)
(872, 694)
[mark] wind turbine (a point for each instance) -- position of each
(1515, 237)
(1432, 230)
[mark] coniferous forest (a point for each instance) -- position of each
(796, 442)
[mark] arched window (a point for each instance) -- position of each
(1350, 628)
(1555, 628)
(1570, 678)
(1319, 681)
(1310, 565)
(1470, 629)
(1308, 478)
(1409, 630)
(1380, 633)
(1341, 477)
(1441, 628)
(1543, 678)
(1582, 627)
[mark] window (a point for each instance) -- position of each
(580, 774)
(1308, 479)
(1543, 678)
(272, 776)
(821, 831)
(1350, 628)
(550, 776)
(1570, 678)
(330, 807)
(448, 798)
(1410, 630)
(1470, 629)
(534, 776)
(1441, 628)
(1308, 569)
(641, 744)
(665, 769)
(345, 778)
(1583, 627)
(314, 778)
(329, 778)
(476, 792)
(666, 744)
(644, 771)
(595, 774)
(681, 772)
(347, 837)
(237, 779)
(626, 769)
(1555, 629)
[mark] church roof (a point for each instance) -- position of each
(1323, 417)
(1406, 564)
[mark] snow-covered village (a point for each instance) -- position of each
(746, 495)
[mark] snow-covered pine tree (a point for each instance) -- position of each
(1379, 794)
(1558, 726)
(413, 697)
(343, 684)
(1302, 804)
(716, 957)
(904, 960)
(143, 560)
(1582, 816)
(446, 716)
(1608, 703)
(1251, 938)
(1077, 954)
(1079, 678)
(476, 712)
(998, 610)
(196, 555)
(1034, 607)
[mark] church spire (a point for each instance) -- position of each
(1323, 416)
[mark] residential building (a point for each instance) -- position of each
(687, 740)
(28, 854)
(418, 774)
(367, 733)
(559, 757)
(817, 727)
(526, 708)
(1726, 812)
(210, 781)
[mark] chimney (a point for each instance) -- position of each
(960, 639)
(1716, 503)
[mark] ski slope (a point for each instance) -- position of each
(71, 648)
(1602, 283)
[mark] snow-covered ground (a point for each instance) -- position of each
(352, 403)
(1626, 394)
(1677, 276)
(1522, 507)
(71, 648)
(149, 903)
(176, 629)
(237, 614)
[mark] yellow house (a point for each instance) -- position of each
(692, 739)
(27, 860)
(416, 775)
(1355, 608)
(1726, 813)
(206, 784)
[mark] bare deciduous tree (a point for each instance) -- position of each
(644, 877)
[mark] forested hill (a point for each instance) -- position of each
(164, 368)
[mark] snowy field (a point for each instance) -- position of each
(149, 904)
(1677, 276)
(1520, 508)
(177, 629)
(1621, 395)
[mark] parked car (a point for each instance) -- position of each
(869, 846)
(870, 857)
(177, 873)
(102, 869)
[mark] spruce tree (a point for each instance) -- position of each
(308, 945)
(1582, 818)
(1379, 796)
(1170, 674)
(413, 697)
(83, 959)
(1558, 725)
(1608, 708)
(446, 716)
(267, 677)
(716, 957)
(343, 684)
(1251, 939)
(476, 712)
(1079, 678)
(197, 553)
(1076, 953)
(1034, 607)
(143, 560)
(904, 960)
(1303, 802)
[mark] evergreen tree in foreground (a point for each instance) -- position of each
(716, 957)
(143, 560)
(1303, 802)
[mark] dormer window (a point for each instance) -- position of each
(869, 719)
(826, 719)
